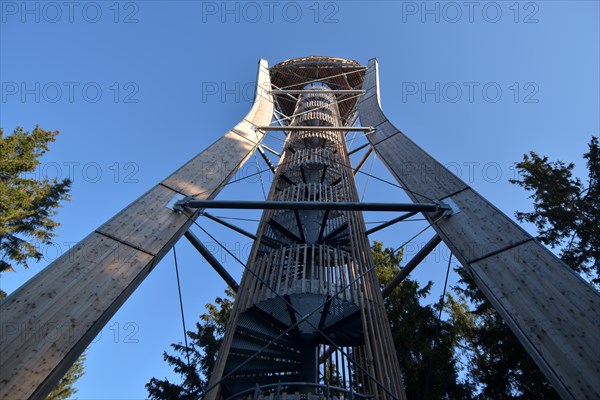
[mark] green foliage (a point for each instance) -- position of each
(26, 209)
(424, 343)
(472, 354)
(567, 215)
(202, 352)
(65, 389)
(26, 204)
(565, 211)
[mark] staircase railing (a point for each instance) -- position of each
(278, 391)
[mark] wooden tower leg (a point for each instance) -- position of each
(48, 322)
(552, 311)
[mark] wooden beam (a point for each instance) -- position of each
(50, 320)
(552, 310)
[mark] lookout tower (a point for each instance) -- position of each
(308, 319)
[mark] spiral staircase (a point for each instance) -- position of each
(303, 296)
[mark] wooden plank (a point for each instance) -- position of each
(417, 168)
(533, 298)
(551, 310)
(479, 239)
(52, 318)
(71, 310)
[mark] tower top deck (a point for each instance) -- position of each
(337, 73)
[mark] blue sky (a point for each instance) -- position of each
(136, 88)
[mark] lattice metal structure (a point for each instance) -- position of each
(310, 294)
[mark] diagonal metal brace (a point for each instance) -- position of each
(411, 265)
(212, 261)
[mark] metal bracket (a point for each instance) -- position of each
(175, 202)
(450, 207)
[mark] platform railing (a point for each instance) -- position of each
(279, 391)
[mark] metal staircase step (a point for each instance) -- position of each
(245, 344)
(259, 328)
(260, 364)
(265, 336)
(236, 383)
(339, 314)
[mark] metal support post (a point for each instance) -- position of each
(212, 261)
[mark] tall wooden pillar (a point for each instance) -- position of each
(552, 310)
(48, 322)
